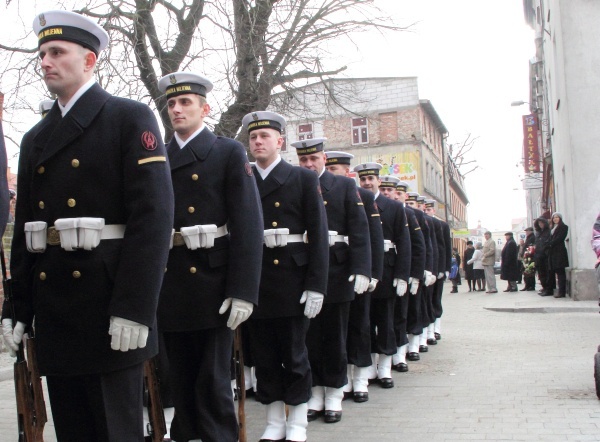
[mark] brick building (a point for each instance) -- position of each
(380, 120)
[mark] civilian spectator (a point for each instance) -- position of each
(558, 259)
(509, 269)
(468, 268)
(542, 236)
(478, 273)
(489, 258)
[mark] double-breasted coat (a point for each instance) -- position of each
(291, 198)
(345, 215)
(103, 159)
(396, 263)
(375, 232)
(213, 184)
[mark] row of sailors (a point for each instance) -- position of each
(341, 283)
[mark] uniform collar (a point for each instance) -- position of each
(82, 90)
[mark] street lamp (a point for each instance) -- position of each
(518, 103)
(534, 109)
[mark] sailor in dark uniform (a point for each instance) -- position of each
(294, 278)
(91, 239)
(425, 286)
(213, 272)
(396, 272)
(359, 323)
(434, 330)
(411, 323)
(349, 273)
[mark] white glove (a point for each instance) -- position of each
(440, 275)
(12, 338)
(240, 311)
(314, 302)
(447, 274)
(414, 287)
(372, 285)
(126, 334)
(410, 279)
(428, 278)
(361, 283)
(401, 286)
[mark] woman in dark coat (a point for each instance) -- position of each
(558, 259)
(468, 268)
(542, 236)
(509, 267)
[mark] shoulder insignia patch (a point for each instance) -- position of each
(149, 141)
(248, 169)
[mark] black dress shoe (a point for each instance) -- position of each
(361, 396)
(331, 417)
(413, 356)
(373, 381)
(431, 341)
(400, 367)
(438, 337)
(524, 289)
(387, 383)
(423, 349)
(348, 395)
(312, 415)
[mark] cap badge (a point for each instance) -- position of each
(254, 116)
(42, 20)
(303, 144)
(172, 79)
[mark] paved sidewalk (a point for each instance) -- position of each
(495, 375)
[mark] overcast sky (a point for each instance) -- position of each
(471, 59)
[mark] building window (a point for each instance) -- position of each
(305, 131)
(360, 132)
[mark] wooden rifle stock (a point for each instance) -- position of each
(238, 357)
(157, 428)
(36, 388)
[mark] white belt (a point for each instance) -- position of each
(388, 245)
(338, 238)
(296, 237)
(199, 236)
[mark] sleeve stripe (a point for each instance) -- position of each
(375, 214)
(152, 160)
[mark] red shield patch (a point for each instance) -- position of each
(358, 195)
(375, 206)
(248, 169)
(149, 141)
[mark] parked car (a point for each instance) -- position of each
(497, 269)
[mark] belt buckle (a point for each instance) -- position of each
(53, 237)
(178, 240)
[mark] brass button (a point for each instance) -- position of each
(42, 276)
(325, 202)
(274, 223)
(192, 269)
(76, 274)
(276, 262)
(195, 177)
(41, 170)
(71, 202)
(277, 204)
(165, 270)
(75, 163)
(191, 209)
(41, 205)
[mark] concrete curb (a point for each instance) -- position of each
(544, 309)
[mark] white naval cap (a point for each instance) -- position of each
(179, 83)
(45, 106)
(306, 147)
(337, 157)
(368, 169)
(430, 203)
(389, 181)
(412, 196)
(402, 186)
(263, 120)
(70, 26)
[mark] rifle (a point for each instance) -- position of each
(157, 428)
(31, 409)
(238, 358)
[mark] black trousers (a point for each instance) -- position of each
(103, 407)
(383, 339)
(281, 359)
(201, 385)
(541, 266)
(427, 307)
(560, 275)
(401, 307)
(436, 300)
(359, 331)
(529, 281)
(326, 342)
(414, 323)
